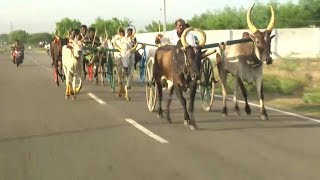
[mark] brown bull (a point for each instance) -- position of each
(179, 65)
(245, 62)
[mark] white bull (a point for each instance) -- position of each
(123, 59)
(72, 58)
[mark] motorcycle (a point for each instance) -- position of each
(18, 57)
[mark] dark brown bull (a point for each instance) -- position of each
(245, 62)
(179, 65)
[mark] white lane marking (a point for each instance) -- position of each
(96, 98)
(284, 112)
(35, 62)
(146, 131)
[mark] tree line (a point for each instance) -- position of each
(306, 13)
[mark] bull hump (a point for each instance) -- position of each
(241, 49)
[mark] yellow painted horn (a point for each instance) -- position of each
(183, 37)
(251, 26)
(271, 23)
(203, 39)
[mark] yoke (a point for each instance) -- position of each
(230, 42)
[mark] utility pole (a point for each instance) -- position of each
(164, 17)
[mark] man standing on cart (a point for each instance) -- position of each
(91, 40)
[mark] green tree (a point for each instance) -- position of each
(37, 37)
(155, 26)
(110, 25)
(66, 25)
(4, 37)
(20, 35)
(311, 11)
(288, 15)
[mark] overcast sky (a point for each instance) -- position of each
(41, 15)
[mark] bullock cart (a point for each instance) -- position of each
(207, 84)
(110, 72)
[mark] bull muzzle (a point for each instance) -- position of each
(269, 60)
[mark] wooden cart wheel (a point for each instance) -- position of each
(207, 84)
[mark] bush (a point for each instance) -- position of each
(311, 97)
(271, 84)
(286, 86)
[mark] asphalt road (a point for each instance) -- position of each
(43, 136)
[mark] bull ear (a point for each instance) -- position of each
(272, 36)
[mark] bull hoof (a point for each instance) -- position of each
(185, 122)
(67, 96)
(73, 98)
(169, 120)
(128, 98)
(224, 114)
(160, 116)
(193, 127)
(247, 110)
(264, 117)
(237, 110)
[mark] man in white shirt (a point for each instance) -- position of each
(175, 35)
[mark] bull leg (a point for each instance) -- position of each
(101, 75)
(56, 80)
(245, 96)
(127, 97)
(169, 103)
(67, 91)
(95, 73)
(129, 79)
(223, 78)
(73, 90)
(67, 94)
(193, 89)
(59, 70)
(263, 112)
(235, 96)
(120, 83)
(224, 94)
(159, 86)
(121, 90)
(183, 102)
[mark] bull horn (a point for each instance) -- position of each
(183, 37)
(251, 26)
(203, 38)
(271, 23)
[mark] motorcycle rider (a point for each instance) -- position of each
(16, 47)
